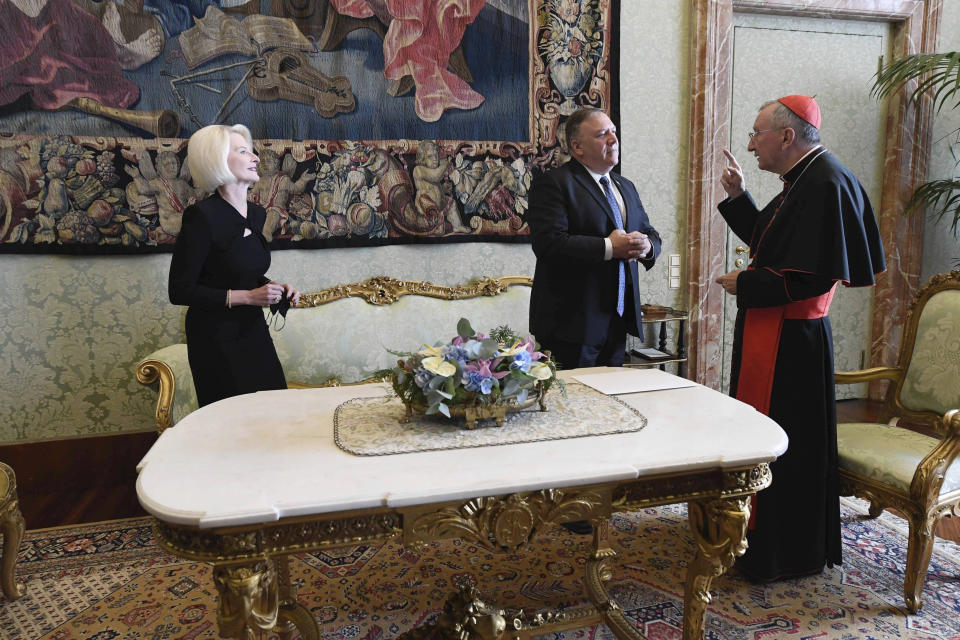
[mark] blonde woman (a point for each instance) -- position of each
(218, 271)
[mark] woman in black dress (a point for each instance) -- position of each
(218, 271)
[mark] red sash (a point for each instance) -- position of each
(758, 355)
(761, 340)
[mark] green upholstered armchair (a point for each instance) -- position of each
(893, 466)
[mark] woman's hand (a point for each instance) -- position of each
(263, 296)
(291, 294)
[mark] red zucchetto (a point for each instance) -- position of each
(805, 107)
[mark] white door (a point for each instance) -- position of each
(834, 60)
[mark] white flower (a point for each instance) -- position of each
(431, 351)
(439, 366)
(512, 351)
(540, 371)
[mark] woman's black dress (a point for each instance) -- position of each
(230, 350)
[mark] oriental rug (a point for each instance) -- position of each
(110, 580)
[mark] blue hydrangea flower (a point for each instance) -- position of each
(421, 377)
(476, 381)
(456, 353)
(521, 361)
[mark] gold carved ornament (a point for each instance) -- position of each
(248, 599)
(150, 371)
(720, 530)
(381, 290)
(507, 523)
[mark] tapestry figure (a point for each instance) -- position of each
(166, 189)
(275, 188)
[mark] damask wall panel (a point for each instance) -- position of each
(654, 108)
(941, 247)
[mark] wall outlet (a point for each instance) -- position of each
(673, 267)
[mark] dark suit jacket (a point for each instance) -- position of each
(574, 288)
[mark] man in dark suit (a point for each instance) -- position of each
(589, 232)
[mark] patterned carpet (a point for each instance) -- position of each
(110, 580)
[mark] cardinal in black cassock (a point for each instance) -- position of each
(820, 231)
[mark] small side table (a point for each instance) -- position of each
(656, 314)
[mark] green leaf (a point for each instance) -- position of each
(435, 397)
(933, 76)
(488, 348)
(936, 75)
(464, 330)
(941, 198)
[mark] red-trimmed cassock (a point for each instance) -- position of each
(818, 232)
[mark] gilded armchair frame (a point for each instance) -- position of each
(379, 291)
(922, 505)
(12, 527)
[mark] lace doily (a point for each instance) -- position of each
(372, 427)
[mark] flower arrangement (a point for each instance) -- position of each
(474, 375)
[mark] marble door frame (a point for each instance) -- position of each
(916, 24)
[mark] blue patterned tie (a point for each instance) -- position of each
(622, 276)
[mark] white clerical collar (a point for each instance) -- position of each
(816, 148)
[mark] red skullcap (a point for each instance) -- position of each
(805, 107)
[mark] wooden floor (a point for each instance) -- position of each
(116, 496)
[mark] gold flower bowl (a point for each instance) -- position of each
(472, 413)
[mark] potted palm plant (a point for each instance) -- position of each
(937, 75)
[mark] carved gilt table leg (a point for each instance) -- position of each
(720, 529)
(248, 598)
(292, 615)
(599, 571)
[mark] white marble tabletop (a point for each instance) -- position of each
(260, 457)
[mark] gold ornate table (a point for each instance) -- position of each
(247, 481)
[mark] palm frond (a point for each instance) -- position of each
(936, 73)
(941, 197)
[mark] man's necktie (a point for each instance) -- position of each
(622, 275)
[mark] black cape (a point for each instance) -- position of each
(819, 232)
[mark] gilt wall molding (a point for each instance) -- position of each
(916, 25)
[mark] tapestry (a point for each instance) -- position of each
(111, 580)
(376, 121)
